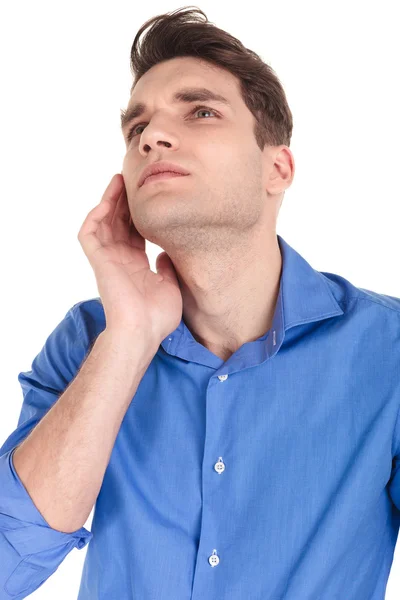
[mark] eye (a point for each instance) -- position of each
(131, 132)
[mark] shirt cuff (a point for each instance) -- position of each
(22, 523)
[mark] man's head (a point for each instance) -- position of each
(237, 154)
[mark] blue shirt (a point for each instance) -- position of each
(273, 475)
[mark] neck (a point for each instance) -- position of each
(229, 298)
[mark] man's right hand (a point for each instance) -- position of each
(134, 299)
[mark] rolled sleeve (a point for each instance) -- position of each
(30, 549)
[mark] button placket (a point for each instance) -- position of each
(219, 468)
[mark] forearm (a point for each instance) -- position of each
(63, 460)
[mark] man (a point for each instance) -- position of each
(234, 416)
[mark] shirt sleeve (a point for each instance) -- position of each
(394, 481)
(31, 550)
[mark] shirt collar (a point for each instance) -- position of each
(304, 296)
(304, 292)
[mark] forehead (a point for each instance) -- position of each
(185, 71)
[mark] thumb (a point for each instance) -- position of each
(165, 267)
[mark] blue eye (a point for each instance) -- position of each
(131, 132)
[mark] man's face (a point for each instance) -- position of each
(224, 192)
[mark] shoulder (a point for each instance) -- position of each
(351, 296)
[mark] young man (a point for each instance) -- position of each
(232, 417)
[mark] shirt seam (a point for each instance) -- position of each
(395, 437)
(347, 300)
(76, 319)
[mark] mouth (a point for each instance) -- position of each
(161, 176)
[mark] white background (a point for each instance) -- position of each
(65, 75)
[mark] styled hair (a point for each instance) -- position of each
(183, 32)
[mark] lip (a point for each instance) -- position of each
(164, 175)
(160, 167)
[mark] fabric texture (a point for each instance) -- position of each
(273, 475)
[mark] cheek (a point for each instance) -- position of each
(222, 154)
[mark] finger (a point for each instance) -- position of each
(165, 266)
(136, 240)
(91, 227)
(123, 227)
(112, 195)
(121, 219)
(106, 229)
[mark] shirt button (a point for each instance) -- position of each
(219, 466)
(222, 377)
(213, 559)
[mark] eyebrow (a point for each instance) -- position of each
(188, 95)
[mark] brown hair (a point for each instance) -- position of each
(184, 33)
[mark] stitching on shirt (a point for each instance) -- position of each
(346, 301)
(77, 321)
(395, 434)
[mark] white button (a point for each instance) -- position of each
(219, 466)
(214, 559)
(222, 377)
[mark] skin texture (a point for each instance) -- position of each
(218, 225)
